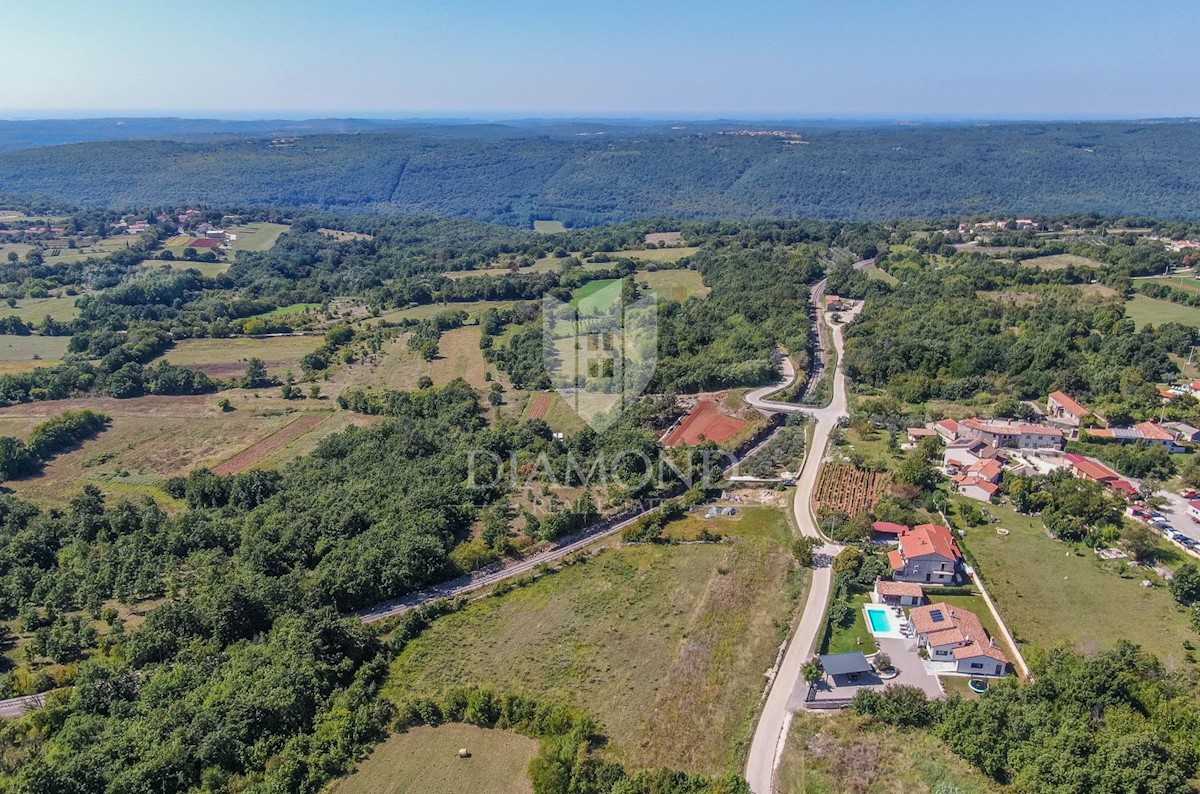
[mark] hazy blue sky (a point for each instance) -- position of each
(803, 58)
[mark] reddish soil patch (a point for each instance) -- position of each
(705, 423)
(539, 406)
(203, 242)
(272, 443)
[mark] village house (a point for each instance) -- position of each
(976, 488)
(1193, 510)
(888, 530)
(966, 452)
(1062, 409)
(928, 554)
(917, 434)
(1092, 469)
(1142, 432)
(947, 429)
(898, 594)
(954, 635)
(1005, 433)
(1184, 432)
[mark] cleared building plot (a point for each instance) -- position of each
(706, 422)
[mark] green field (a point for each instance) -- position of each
(255, 236)
(645, 638)
(1187, 283)
(1151, 311)
(1060, 261)
(856, 636)
(207, 269)
(678, 285)
(833, 754)
(295, 308)
(549, 227)
(425, 761)
(430, 310)
(32, 348)
(881, 275)
(34, 310)
(1052, 594)
(224, 358)
(655, 254)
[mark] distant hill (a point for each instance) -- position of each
(582, 175)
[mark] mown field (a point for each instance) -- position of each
(226, 358)
(22, 353)
(845, 754)
(207, 269)
(666, 645)
(1144, 310)
(1051, 594)
(425, 761)
(255, 236)
(678, 285)
(34, 310)
(1060, 261)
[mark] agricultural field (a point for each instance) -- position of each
(206, 269)
(655, 254)
(149, 440)
(255, 236)
(425, 761)
(551, 408)
(20, 249)
(678, 285)
(23, 353)
(226, 358)
(1151, 311)
(34, 310)
(431, 310)
(1188, 283)
(663, 238)
(848, 754)
(295, 308)
(644, 637)
(101, 248)
(711, 419)
(1060, 261)
(549, 227)
(843, 488)
(1053, 594)
(881, 275)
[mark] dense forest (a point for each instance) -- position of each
(932, 170)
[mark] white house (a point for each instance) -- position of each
(956, 636)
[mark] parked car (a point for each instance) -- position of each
(1189, 493)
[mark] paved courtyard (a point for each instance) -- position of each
(908, 663)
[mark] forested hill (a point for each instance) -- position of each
(1119, 168)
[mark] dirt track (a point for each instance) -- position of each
(272, 443)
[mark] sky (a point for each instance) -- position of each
(647, 58)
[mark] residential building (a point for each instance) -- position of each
(1064, 410)
(902, 594)
(1092, 469)
(976, 488)
(917, 434)
(1005, 433)
(1184, 432)
(947, 429)
(1141, 433)
(966, 452)
(955, 635)
(928, 554)
(1193, 509)
(888, 528)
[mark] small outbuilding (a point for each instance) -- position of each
(845, 667)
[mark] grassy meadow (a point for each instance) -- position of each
(1144, 310)
(665, 645)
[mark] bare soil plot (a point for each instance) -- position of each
(548, 227)
(425, 761)
(706, 422)
(538, 405)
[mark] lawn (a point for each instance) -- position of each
(1052, 594)
(856, 636)
(678, 285)
(1151, 311)
(665, 645)
(425, 761)
(881, 275)
(34, 310)
(255, 236)
(836, 754)
(549, 227)
(226, 358)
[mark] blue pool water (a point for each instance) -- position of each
(881, 623)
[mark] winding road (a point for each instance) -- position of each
(770, 734)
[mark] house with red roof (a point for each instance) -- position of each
(1141, 433)
(947, 429)
(1092, 469)
(928, 554)
(976, 488)
(898, 594)
(955, 635)
(1006, 433)
(1063, 409)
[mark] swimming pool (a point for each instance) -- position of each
(881, 620)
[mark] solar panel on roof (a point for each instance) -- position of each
(936, 616)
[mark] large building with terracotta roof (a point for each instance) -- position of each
(955, 635)
(1141, 433)
(1092, 469)
(1005, 433)
(1063, 409)
(928, 554)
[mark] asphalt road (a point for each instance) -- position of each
(770, 734)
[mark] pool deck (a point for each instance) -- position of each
(894, 622)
